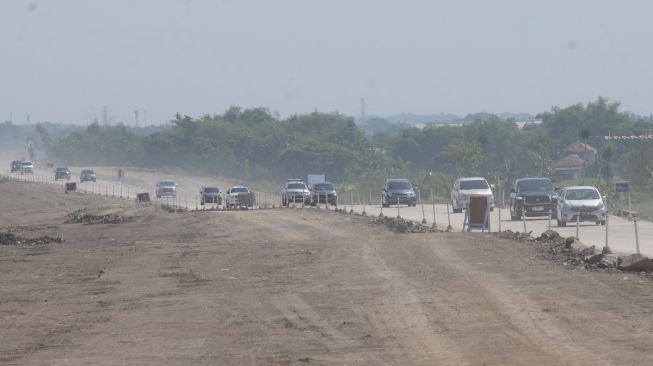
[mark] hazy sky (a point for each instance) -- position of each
(62, 60)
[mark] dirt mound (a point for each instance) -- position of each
(11, 239)
(84, 217)
(399, 225)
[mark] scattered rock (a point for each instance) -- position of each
(399, 225)
(83, 217)
(11, 239)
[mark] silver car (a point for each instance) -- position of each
(582, 203)
(166, 188)
(465, 187)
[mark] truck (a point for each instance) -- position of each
(315, 179)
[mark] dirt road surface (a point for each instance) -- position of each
(296, 287)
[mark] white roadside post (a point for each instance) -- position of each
(549, 217)
(577, 223)
(433, 206)
(449, 227)
(499, 219)
(364, 213)
(398, 214)
(371, 202)
(419, 198)
(523, 218)
(635, 219)
(381, 214)
(351, 203)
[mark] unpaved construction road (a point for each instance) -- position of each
(295, 287)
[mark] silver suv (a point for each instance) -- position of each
(166, 188)
(295, 191)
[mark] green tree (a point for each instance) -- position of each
(464, 157)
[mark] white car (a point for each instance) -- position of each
(239, 196)
(465, 187)
(583, 200)
(26, 167)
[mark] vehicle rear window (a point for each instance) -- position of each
(323, 187)
(87, 171)
(582, 194)
(167, 183)
(535, 185)
(239, 190)
(474, 184)
(399, 185)
(211, 190)
(296, 186)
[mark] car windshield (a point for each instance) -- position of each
(404, 185)
(211, 190)
(582, 194)
(167, 183)
(474, 184)
(296, 186)
(323, 187)
(535, 185)
(239, 190)
(27, 163)
(87, 171)
(61, 169)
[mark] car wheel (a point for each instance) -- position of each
(603, 222)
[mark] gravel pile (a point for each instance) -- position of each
(553, 247)
(11, 239)
(399, 225)
(83, 217)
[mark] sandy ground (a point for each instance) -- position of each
(295, 287)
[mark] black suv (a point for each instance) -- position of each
(15, 165)
(61, 173)
(324, 193)
(398, 191)
(532, 197)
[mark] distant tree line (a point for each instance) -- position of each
(254, 144)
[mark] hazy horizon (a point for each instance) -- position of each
(63, 61)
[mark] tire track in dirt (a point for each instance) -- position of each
(402, 311)
(522, 314)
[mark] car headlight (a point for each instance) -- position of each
(519, 198)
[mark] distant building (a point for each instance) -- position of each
(583, 150)
(569, 167)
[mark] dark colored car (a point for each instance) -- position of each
(532, 197)
(323, 193)
(61, 173)
(15, 165)
(398, 192)
(87, 175)
(210, 195)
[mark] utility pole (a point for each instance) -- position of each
(136, 117)
(144, 117)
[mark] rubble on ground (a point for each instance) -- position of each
(569, 252)
(172, 209)
(399, 225)
(84, 217)
(11, 239)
